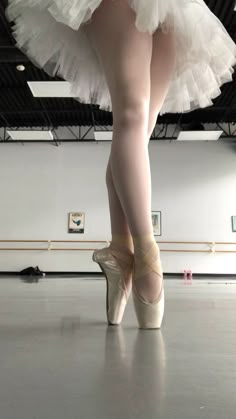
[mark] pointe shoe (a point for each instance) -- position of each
(115, 264)
(149, 314)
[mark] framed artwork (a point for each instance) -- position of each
(156, 222)
(76, 222)
(233, 223)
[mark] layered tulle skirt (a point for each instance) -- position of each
(51, 34)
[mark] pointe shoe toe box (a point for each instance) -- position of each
(117, 293)
(149, 315)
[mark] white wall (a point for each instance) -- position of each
(194, 185)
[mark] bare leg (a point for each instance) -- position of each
(162, 64)
(129, 155)
(121, 236)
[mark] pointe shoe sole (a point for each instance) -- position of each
(149, 315)
(107, 290)
(116, 310)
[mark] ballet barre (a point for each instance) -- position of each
(211, 246)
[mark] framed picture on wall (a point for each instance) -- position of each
(156, 222)
(76, 222)
(233, 223)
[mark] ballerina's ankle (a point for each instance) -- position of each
(122, 242)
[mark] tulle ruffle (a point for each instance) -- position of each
(51, 33)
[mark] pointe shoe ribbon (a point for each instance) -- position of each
(149, 315)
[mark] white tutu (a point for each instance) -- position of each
(50, 33)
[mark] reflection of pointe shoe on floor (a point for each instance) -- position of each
(149, 314)
(117, 267)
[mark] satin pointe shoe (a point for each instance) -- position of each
(149, 314)
(115, 265)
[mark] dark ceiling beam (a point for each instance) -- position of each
(11, 54)
(36, 112)
(4, 40)
(223, 109)
(45, 113)
(4, 119)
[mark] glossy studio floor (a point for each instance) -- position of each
(60, 359)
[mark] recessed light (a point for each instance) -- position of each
(199, 135)
(103, 135)
(20, 67)
(30, 135)
(50, 88)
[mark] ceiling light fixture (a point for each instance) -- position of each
(20, 67)
(30, 135)
(199, 135)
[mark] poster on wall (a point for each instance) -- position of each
(76, 222)
(234, 223)
(156, 222)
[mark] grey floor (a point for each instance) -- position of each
(59, 359)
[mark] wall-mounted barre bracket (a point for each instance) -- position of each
(212, 247)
